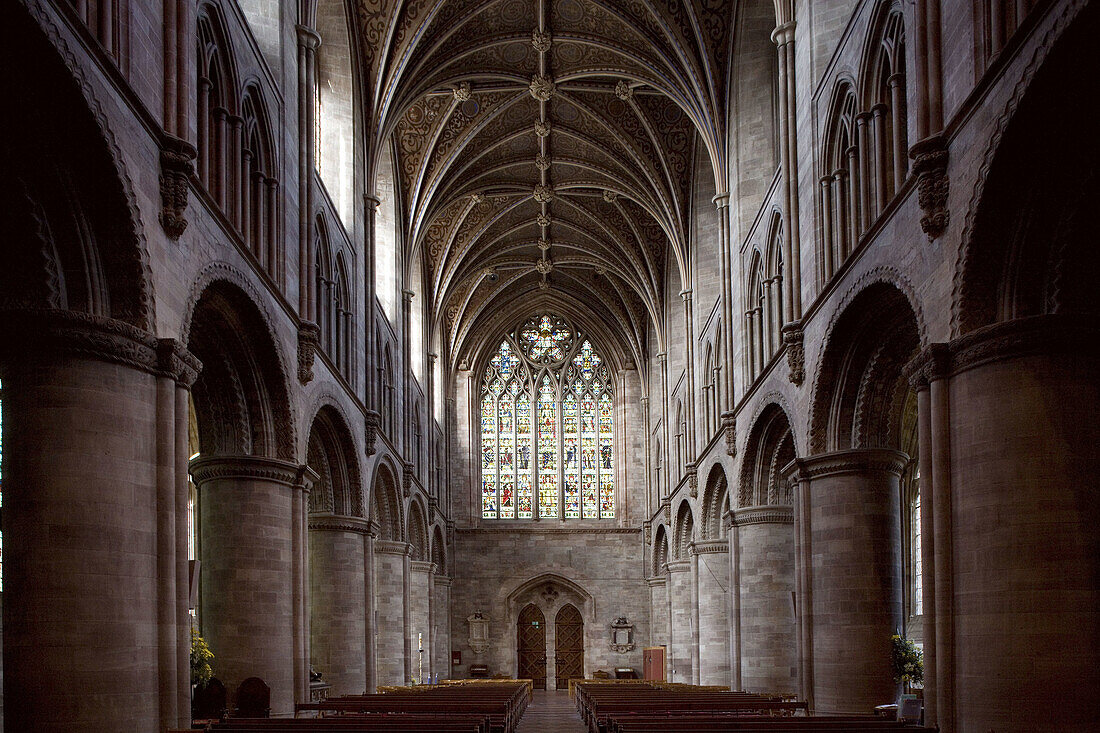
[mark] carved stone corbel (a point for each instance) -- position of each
(930, 167)
(407, 474)
(176, 169)
(693, 481)
(796, 353)
(371, 422)
(729, 427)
(309, 338)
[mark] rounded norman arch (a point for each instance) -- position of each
(241, 397)
(418, 531)
(860, 391)
(715, 502)
(386, 503)
(685, 530)
(770, 447)
(660, 550)
(331, 454)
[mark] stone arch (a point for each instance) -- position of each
(770, 447)
(715, 502)
(418, 531)
(241, 397)
(684, 530)
(386, 502)
(331, 454)
(550, 591)
(860, 392)
(660, 550)
(439, 550)
(1028, 247)
(68, 200)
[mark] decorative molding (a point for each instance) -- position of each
(309, 339)
(1034, 335)
(930, 159)
(858, 460)
(422, 566)
(622, 636)
(28, 336)
(176, 169)
(252, 468)
(692, 472)
(678, 566)
(796, 353)
(392, 547)
(655, 581)
(770, 514)
(337, 523)
(708, 547)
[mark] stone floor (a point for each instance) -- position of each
(551, 712)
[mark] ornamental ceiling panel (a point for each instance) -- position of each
(545, 147)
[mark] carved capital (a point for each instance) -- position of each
(309, 338)
(176, 169)
(796, 353)
(857, 460)
(31, 336)
(252, 468)
(929, 365)
(769, 514)
(337, 523)
(372, 421)
(930, 167)
(708, 547)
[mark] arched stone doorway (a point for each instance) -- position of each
(568, 645)
(531, 646)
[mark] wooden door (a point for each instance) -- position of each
(653, 663)
(531, 646)
(569, 651)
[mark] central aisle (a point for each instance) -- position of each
(551, 712)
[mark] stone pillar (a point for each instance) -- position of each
(854, 574)
(713, 581)
(658, 611)
(783, 37)
(389, 611)
(253, 574)
(441, 627)
(765, 572)
(1016, 521)
(420, 578)
(680, 621)
(337, 585)
(90, 506)
(308, 41)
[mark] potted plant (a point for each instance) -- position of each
(201, 656)
(907, 662)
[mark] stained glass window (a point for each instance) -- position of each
(547, 426)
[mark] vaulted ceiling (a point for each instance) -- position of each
(545, 149)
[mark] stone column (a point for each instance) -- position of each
(854, 574)
(389, 611)
(658, 611)
(90, 523)
(680, 621)
(337, 586)
(713, 561)
(252, 509)
(420, 576)
(308, 41)
(765, 572)
(1016, 524)
(371, 630)
(783, 37)
(441, 626)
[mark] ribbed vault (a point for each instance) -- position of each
(546, 147)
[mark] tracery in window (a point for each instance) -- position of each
(547, 426)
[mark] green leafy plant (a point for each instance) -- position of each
(201, 656)
(907, 661)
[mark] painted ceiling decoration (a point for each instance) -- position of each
(545, 150)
